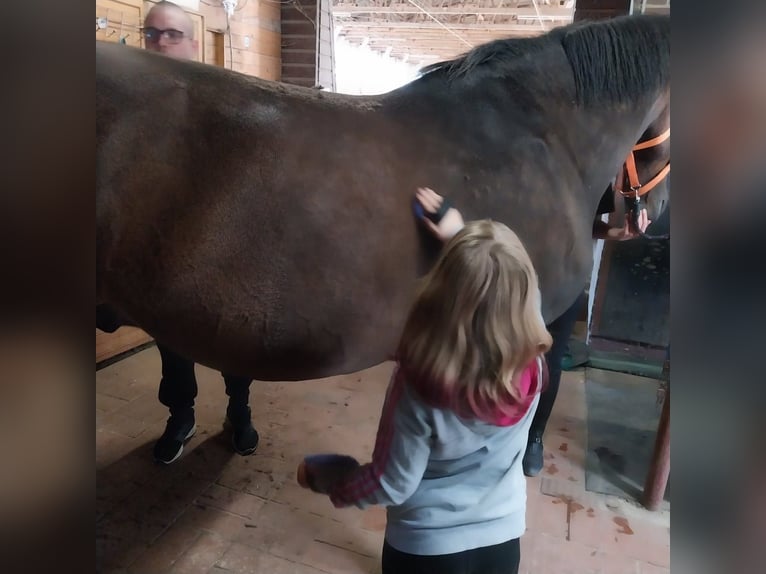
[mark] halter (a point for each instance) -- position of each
(637, 189)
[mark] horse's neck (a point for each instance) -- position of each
(660, 127)
(594, 142)
(508, 124)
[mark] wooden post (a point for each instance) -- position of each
(659, 470)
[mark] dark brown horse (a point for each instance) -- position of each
(267, 230)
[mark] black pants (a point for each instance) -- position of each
(560, 329)
(178, 387)
(498, 559)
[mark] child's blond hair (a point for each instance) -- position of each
(475, 325)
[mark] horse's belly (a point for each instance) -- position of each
(293, 350)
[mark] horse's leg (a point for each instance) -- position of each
(560, 330)
(178, 389)
(244, 436)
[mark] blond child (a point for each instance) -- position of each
(447, 462)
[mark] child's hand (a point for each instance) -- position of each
(303, 476)
(321, 472)
(448, 225)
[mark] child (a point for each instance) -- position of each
(447, 458)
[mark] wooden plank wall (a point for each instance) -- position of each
(123, 21)
(124, 339)
(299, 42)
(215, 48)
(258, 20)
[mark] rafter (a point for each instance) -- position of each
(428, 30)
(486, 27)
(342, 9)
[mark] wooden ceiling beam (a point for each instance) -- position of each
(532, 28)
(403, 42)
(397, 36)
(398, 27)
(415, 32)
(344, 9)
(423, 34)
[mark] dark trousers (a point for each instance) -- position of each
(178, 387)
(560, 329)
(498, 559)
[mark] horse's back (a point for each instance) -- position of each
(230, 228)
(227, 228)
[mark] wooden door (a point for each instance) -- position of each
(214, 48)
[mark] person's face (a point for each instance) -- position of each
(167, 31)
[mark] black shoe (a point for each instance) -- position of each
(244, 438)
(179, 429)
(533, 457)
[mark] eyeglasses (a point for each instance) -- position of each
(172, 36)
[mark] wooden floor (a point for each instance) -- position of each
(213, 511)
(110, 345)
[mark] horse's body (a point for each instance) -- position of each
(267, 230)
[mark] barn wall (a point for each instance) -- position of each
(299, 43)
(254, 21)
(308, 57)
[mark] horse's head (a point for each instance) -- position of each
(644, 179)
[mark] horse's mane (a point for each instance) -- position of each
(612, 60)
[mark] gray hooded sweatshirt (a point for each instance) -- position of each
(450, 484)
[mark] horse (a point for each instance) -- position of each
(266, 229)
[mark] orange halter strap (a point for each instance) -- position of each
(637, 189)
